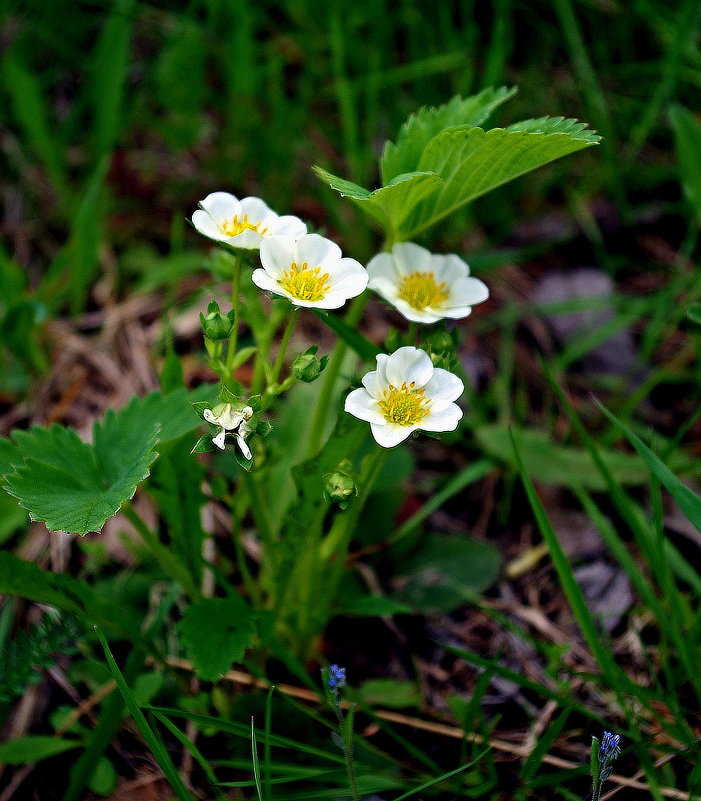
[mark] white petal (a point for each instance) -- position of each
(445, 420)
(257, 210)
(206, 225)
(243, 447)
(409, 364)
(415, 315)
(443, 388)
(449, 268)
(390, 434)
(263, 280)
(381, 359)
(219, 439)
(383, 266)
(467, 292)
(360, 404)
(208, 415)
(248, 239)
(316, 250)
(455, 312)
(221, 206)
(277, 254)
(348, 276)
(289, 226)
(411, 258)
(372, 382)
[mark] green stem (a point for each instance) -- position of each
(235, 292)
(260, 515)
(250, 584)
(277, 369)
(167, 559)
(331, 373)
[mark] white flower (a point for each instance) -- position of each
(242, 223)
(309, 271)
(231, 419)
(423, 286)
(404, 394)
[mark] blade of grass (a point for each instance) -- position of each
(614, 676)
(445, 776)
(152, 740)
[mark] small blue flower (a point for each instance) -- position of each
(610, 748)
(337, 677)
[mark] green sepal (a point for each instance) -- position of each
(204, 445)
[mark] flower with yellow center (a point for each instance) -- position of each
(242, 223)
(423, 286)
(404, 394)
(309, 271)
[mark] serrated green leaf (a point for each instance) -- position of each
(687, 143)
(216, 633)
(460, 164)
(472, 162)
(75, 487)
(421, 127)
(562, 465)
(390, 205)
(34, 748)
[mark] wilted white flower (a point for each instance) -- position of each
(423, 286)
(231, 420)
(242, 223)
(404, 394)
(309, 271)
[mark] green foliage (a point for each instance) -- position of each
(34, 748)
(76, 487)
(563, 465)
(447, 571)
(216, 632)
(446, 164)
(687, 143)
(29, 652)
(404, 155)
(689, 502)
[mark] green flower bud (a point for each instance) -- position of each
(215, 325)
(307, 367)
(440, 342)
(339, 485)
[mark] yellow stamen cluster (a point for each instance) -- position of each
(305, 283)
(237, 225)
(420, 290)
(405, 405)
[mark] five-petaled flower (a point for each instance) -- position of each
(309, 271)
(423, 286)
(243, 223)
(231, 420)
(404, 394)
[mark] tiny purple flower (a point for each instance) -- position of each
(337, 677)
(610, 747)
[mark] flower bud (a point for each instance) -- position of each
(307, 367)
(339, 485)
(215, 325)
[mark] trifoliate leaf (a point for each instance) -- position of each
(460, 164)
(421, 127)
(216, 633)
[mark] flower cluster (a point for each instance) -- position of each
(406, 392)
